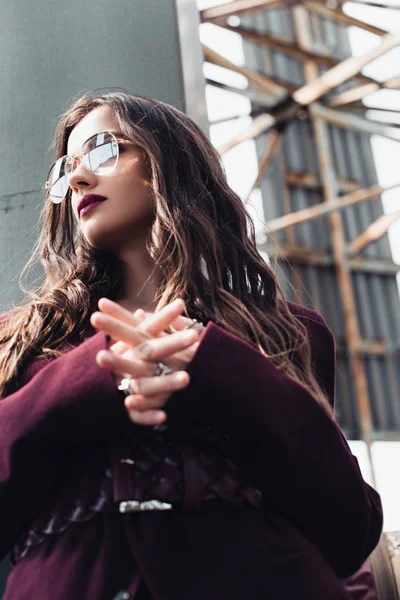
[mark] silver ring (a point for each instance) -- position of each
(194, 322)
(125, 386)
(162, 370)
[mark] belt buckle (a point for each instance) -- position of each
(134, 506)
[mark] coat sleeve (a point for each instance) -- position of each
(287, 444)
(67, 403)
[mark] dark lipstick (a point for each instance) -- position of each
(88, 202)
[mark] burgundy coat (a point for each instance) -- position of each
(286, 517)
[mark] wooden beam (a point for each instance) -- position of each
(238, 7)
(352, 122)
(339, 73)
(287, 204)
(375, 231)
(316, 87)
(286, 111)
(270, 150)
(374, 347)
(281, 45)
(354, 94)
(312, 181)
(252, 115)
(358, 107)
(337, 15)
(287, 46)
(320, 258)
(260, 124)
(362, 194)
(370, 265)
(253, 94)
(368, 347)
(392, 84)
(342, 72)
(313, 212)
(283, 113)
(228, 119)
(277, 91)
(357, 93)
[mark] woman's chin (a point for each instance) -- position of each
(116, 233)
(101, 238)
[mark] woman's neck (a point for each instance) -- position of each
(140, 283)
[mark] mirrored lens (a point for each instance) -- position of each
(57, 181)
(100, 154)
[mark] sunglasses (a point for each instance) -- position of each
(99, 155)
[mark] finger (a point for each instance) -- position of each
(119, 348)
(118, 330)
(140, 314)
(185, 356)
(152, 326)
(114, 309)
(158, 348)
(152, 386)
(154, 321)
(181, 322)
(122, 366)
(141, 403)
(157, 322)
(149, 417)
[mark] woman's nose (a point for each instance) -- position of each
(81, 177)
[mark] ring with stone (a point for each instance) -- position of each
(162, 370)
(125, 386)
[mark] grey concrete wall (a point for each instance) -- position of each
(50, 52)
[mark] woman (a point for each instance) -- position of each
(216, 470)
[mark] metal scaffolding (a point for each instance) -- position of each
(320, 193)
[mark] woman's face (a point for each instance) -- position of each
(122, 221)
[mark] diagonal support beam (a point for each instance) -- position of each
(270, 150)
(357, 93)
(375, 231)
(321, 258)
(288, 108)
(313, 212)
(268, 86)
(256, 96)
(279, 44)
(312, 181)
(289, 47)
(231, 118)
(260, 124)
(281, 114)
(343, 71)
(353, 122)
(339, 16)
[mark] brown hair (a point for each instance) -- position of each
(202, 238)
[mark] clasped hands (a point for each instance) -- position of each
(139, 342)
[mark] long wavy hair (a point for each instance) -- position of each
(202, 241)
